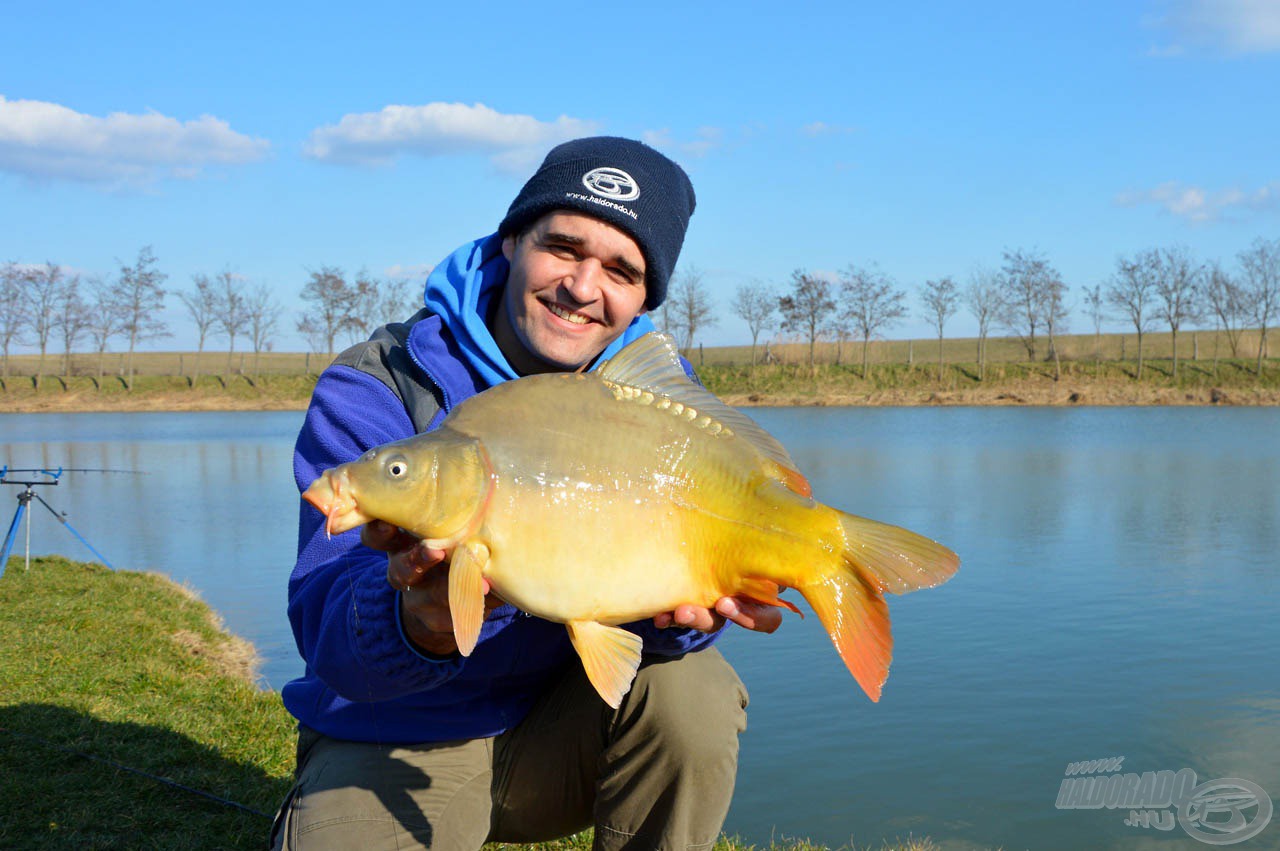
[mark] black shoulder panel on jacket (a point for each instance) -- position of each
(385, 357)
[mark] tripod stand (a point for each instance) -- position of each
(24, 500)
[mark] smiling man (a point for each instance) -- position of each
(403, 743)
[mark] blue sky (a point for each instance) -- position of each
(924, 138)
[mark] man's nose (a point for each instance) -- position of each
(584, 284)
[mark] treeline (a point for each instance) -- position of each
(51, 311)
(1151, 290)
(1154, 289)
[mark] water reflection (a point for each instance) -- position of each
(1115, 599)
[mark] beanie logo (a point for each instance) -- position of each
(612, 183)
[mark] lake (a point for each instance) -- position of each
(1117, 598)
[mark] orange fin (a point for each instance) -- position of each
(857, 619)
(896, 559)
(765, 592)
(610, 655)
(793, 479)
(466, 593)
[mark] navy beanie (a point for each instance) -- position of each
(623, 182)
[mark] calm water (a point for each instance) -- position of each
(1117, 598)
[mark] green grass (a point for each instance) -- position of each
(131, 669)
(907, 370)
(826, 379)
(128, 667)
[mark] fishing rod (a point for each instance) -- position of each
(42, 477)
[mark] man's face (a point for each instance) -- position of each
(575, 285)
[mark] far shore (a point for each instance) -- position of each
(1008, 393)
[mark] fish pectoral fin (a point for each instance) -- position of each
(610, 655)
(466, 593)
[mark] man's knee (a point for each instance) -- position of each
(693, 704)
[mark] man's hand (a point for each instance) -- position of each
(745, 613)
(421, 573)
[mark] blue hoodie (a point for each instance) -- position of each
(364, 681)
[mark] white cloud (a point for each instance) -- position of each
(1229, 26)
(513, 143)
(705, 140)
(47, 140)
(1196, 204)
(409, 271)
(822, 128)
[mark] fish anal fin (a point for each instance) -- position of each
(466, 593)
(896, 559)
(765, 592)
(855, 615)
(610, 656)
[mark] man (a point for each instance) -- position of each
(403, 743)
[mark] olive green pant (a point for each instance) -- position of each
(657, 773)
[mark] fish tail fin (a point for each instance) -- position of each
(855, 615)
(850, 601)
(896, 560)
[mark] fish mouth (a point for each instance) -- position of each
(568, 314)
(333, 496)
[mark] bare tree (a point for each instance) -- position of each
(1054, 311)
(1228, 306)
(755, 303)
(40, 290)
(1177, 292)
(105, 321)
(691, 306)
(395, 300)
(941, 299)
(983, 299)
(1023, 279)
(380, 301)
(1260, 268)
(1096, 309)
(70, 318)
(229, 315)
(202, 307)
(807, 308)
(261, 312)
(333, 304)
(139, 297)
(871, 302)
(1132, 291)
(13, 309)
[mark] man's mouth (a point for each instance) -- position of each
(568, 315)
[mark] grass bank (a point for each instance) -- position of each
(109, 673)
(1225, 382)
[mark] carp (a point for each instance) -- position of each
(600, 498)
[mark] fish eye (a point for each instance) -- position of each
(397, 467)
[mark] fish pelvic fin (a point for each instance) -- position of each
(466, 593)
(897, 560)
(610, 656)
(854, 613)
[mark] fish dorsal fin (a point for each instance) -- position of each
(652, 364)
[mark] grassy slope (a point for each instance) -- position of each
(1098, 371)
(131, 668)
